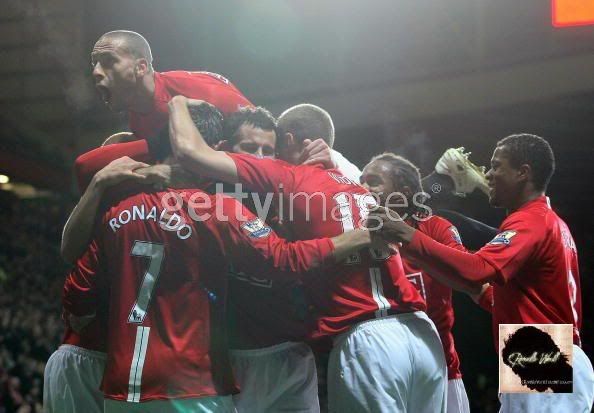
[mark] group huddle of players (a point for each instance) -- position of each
(187, 298)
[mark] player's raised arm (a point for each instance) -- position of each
(79, 226)
(190, 148)
(257, 249)
(433, 257)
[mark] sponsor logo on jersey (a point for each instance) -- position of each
(256, 228)
(503, 238)
(456, 235)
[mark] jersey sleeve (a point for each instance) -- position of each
(446, 233)
(264, 175)
(210, 87)
(88, 164)
(255, 248)
(486, 300)
(81, 288)
(447, 262)
(513, 246)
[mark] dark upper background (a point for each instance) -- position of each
(409, 76)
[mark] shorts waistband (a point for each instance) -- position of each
(83, 351)
(257, 352)
(336, 340)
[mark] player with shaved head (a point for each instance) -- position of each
(122, 68)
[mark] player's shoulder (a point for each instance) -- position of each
(121, 149)
(193, 76)
(436, 226)
(262, 162)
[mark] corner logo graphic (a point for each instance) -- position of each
(535, 358)
(256, 228)
(503, 238)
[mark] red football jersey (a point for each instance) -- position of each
(166, 272)
(538, 275)
(281, 314)
(89, 163)
(437, 295)
(210, 87)
(315, 203)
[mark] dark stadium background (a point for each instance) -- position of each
(413, 77)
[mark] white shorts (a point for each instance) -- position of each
(392, 364)
(580, 401)
(71, 381)
(279, 378)
(457, 397)
(216, 404)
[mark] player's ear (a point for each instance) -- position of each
(524, 173)
(289, 139)
(142, 67)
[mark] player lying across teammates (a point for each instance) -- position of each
(195, 308)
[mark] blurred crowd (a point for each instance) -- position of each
(31, 276)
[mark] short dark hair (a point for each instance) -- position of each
(134, 43)
(524, 148)
(403, 172)
(307, 121)
(208, 120)
(258, 117)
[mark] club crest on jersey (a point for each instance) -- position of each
(256, 228)
(503, 238)
(456, 235)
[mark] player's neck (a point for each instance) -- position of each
(144, 98)
(527, 195)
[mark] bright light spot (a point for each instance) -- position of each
(4, 179)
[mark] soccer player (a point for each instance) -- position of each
(162, 263)
(532, 262)
(122, 65)
(367, 305)
(299, 118)
(397, 181)
(269, 320)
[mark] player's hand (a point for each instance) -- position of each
(119, 170)
(387, 224)
(120, 137)
(178, 100)
(317, 152)
(194, 102)
(166, 176)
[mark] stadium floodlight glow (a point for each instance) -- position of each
(567, 13)
(4, 179)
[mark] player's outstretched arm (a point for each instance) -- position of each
(435, 258)
(255, 248)
(79, 226)
(190, 148)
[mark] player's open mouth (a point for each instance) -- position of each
(105, 93)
